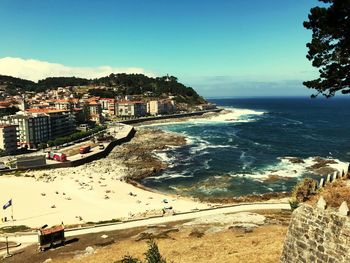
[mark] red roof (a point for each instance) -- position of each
(51, 230)
(129, 102)
(108, 99)
(47, 110)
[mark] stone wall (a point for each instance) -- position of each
(317, 234)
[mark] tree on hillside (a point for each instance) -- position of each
(329, 49)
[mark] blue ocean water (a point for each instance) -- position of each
(244, 152)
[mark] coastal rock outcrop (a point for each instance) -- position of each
(137, 154)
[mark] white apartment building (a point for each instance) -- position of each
(156, 107)
(130, 108)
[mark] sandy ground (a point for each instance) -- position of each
(81, 194)
(213, 239)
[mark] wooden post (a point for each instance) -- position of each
(328, 178)
(321, 183)
(335, 175)
(7, 249)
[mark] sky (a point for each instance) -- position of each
(233, 48)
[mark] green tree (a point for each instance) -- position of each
(152, 254)
(329, 49)
(129, 259)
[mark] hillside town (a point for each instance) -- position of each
(31, 120)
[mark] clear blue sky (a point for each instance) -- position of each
(219, 47)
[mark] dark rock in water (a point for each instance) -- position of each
(319, 163)
(275, 178)
(295, 160)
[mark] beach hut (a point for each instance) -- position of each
(48, 237)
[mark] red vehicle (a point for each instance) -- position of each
(59, 157)
(84, 149)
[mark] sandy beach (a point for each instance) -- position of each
(89, 193)
(97, 191)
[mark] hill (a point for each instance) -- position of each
(112, 85)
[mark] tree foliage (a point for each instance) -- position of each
(75, 136)
(120, 84)
(304, 190)
(329, 49)
(153, 255)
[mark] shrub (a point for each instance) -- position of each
(152, 254)
(294, 204)
(304, 190)
(129, 259)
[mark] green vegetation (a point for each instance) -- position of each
(117, 85)
(61, 82)
(129, 259)
(303, 191)
(103, 222)
(329, 49)
(13, 229)
(152, 255)
(13, 85)
(75, 136)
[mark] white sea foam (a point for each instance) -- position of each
(164, 157)
(168, 176)
(285, 168)
(231, 115)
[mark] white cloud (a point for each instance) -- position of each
(35, 70)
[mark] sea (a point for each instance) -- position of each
(246, 152)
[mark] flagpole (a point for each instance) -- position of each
(13, 223)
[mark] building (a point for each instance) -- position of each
(36, 126)
(67, 104)
(93, 111)
(130, 108)
(108, 106)
(156, 107)
(62, 122)
(8, 138)
(33, 128)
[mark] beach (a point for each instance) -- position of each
(97, 191)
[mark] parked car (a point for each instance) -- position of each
(84, 149)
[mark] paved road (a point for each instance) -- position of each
(32, 238)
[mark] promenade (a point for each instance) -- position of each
(29, 238)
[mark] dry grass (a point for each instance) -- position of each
(334, 193)
(264, 244)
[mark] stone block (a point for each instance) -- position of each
(343, 209)
(321, 203)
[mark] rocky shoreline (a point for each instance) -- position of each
(137, 155)
(138, 158)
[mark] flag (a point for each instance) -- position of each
(8, 204)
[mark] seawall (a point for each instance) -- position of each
(316, 234)
(83, 160)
